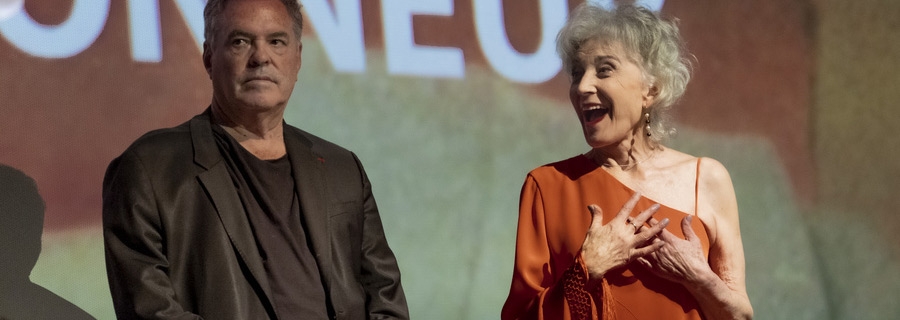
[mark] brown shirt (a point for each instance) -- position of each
(548, 273)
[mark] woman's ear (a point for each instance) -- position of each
(650, 94)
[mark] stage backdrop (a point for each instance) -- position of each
(449, 103)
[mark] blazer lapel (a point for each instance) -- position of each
(217, 183)
(309, 177)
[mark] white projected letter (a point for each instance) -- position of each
(192, 11)
(8, 8)
(528, 68)
(653, 5)
(403, 55)
(67, 39)
(143, 17)
(340, 32)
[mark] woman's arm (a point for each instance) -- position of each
(724, 292)
(532, 293)
(717, 284)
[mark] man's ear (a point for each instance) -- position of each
(300, 52)
(207, 56)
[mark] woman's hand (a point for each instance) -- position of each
(621, 240)
(679, 260)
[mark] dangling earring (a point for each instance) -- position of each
(647, 121)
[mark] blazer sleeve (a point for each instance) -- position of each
(537, 292)
(136, 264)
(380, 275)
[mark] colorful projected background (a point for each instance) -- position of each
(449, 104)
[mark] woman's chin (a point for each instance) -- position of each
(599, 140)
(596, 143)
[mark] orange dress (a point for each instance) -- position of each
(549, 279)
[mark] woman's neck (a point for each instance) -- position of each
(626, 155)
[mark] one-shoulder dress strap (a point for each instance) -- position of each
(697, 187)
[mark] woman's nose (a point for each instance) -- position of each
(587, 84)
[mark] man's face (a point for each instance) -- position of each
(254, 57)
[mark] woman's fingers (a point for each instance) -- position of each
(689, 234)
(652, 233)
(644, 262)
(637, 222)
(663, 234)
(647, 240)
(656, 228)
(644, 215)
(628, 207)
(609, 241)
(596, 217)
(650, 248)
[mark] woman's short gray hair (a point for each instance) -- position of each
(214, 9)
(653, 43)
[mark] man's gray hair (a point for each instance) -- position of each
(214, 9)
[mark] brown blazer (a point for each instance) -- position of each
(179, 245)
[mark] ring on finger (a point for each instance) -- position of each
(630, 222)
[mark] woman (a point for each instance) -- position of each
(591, 243)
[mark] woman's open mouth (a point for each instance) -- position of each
(594, 114)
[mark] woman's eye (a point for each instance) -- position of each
(604, 70)
(576, 73)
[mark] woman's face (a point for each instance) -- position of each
(608, 93)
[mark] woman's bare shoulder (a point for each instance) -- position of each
(712, 173)
(716, 192)
(715, 178)
(677, 161)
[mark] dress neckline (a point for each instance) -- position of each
(596, 167)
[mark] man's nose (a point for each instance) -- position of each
(260, 56)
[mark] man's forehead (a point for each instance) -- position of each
(255, 17)
(255, 12)
(229, 4)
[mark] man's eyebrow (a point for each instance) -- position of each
(279, 34)
(239, 33)
(244, 34)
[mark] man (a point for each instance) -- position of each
(236, 215)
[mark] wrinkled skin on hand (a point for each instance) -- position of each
(678, 260)
(620, 241)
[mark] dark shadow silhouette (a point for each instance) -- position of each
(21, 225)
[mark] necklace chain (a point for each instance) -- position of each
(632, 165)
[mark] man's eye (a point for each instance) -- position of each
(278, 42)
(239, 42)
